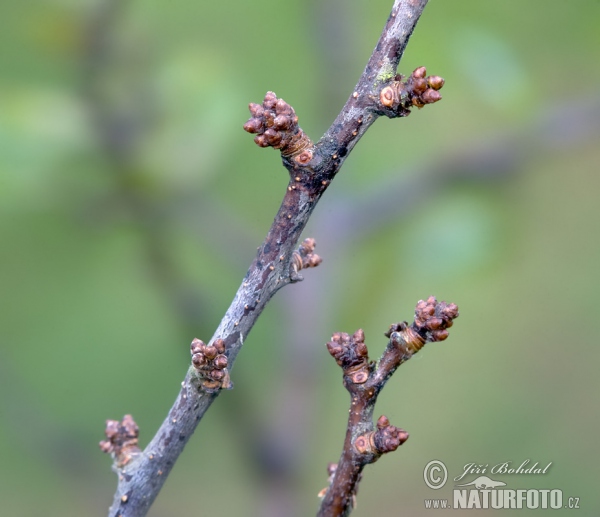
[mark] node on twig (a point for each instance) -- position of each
(386, 438)
(398, 97)
(211, 363)
(351, 353)
(432, 319)
(121, 440)
(364, 442)
(275, 124)
(304, 257)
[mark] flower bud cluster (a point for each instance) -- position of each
(211, 362)
(350, 352)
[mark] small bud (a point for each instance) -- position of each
(210, 352)
(217, 375)
(420, 72)
(435, 323)
(270, 100)
(256, 110)
(439, 335)
(196, 345)
(261, 141)
(272, 137)
(419, 86)
(359, 336)
(283, 108)
(282, 122)
(382, 422)
(198, 360)
(219, 344)
(361, 349)
(220, 362)
(430, 96)
(254, 125)
(435, 81)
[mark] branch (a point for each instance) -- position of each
(364, 380)
(312, 168)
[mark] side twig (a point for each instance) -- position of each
(364, 380)
(312, 167)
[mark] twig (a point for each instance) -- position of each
(312, 168)
(364, 380)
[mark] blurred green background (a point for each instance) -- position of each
(131, 203)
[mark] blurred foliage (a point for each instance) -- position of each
(131, 202)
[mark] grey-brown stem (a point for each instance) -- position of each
(141, 479)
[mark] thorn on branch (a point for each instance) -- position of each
(304, 257)
(275, 124)
(398, 97)
(351, 353)
(211, 363)
(386, 438)
(121, 440)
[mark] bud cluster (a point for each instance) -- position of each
(350, 352)
(304, 257)
(275, 124)
(386, 438)
(211, 362)
(418, 90)
(121, 439)
(432, 318)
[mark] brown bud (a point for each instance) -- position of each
(220, 362)
(217, 375)
(420, 72)
(419, 86)
(450, 310)
(439, 335)
(198, 360)
(254, 125)
(283, 108)
(270, 100)
(361, 349)
(435, 323)
(112, 428)
(210, 352)
(382, 422)
(359, 336)
(219, 344)
(313, 260)
(282, 122)
(430, 96)
(308, 246)
(105, 446)
(256, 110)
(196, 345)
(435, 81)
(261, 141)
(272, 137)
